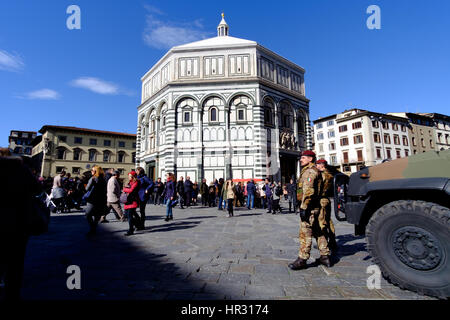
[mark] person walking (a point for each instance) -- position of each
(96, 198)
(229, 194)
(188, 186)
(169, 196)
(324, 218)
(277, 193)
(251, 189)
(113, 196)
(158, 190)
(310, 182)
(212, 194)
(195, 193)
(146, 186)
(204, 192)
(132, 202)
(268, 191)
(292, 195)
(222, 200)
(180, 191)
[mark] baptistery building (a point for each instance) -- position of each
(223, 107)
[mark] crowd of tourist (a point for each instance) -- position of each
(102, 192)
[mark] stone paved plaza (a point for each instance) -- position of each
(201, 254)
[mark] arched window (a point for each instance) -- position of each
(241, 103)
(106, 156)
(77, 154)
(213, 107)
(92, 155)
(61, 153)
(213, 114)
(268, 111)
(286, 115)
(300, 124)
(133, 157)
(121, 157)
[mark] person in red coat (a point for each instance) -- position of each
(132, 202)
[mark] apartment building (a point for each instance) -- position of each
(356, 138)
(422, 133)
(441, 124)
(20, 142)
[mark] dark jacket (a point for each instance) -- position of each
(251, 188)
(169, 191)
(159, 186)
(17, 188)
(291, 189)
(203, 188)
(267, 190)
(98, 194)
(188, 186)
(145, 184)
(180, 187)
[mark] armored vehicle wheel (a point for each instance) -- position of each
(410, 242)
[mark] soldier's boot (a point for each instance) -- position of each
(298, 264)
(325, 260)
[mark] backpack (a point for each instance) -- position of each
(278, 191)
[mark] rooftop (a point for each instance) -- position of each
(76, 129)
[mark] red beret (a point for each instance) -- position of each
(308, 153)
(321, 161)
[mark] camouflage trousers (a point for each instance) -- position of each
(309, 229)
(326, 224)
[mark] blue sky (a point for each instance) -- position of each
(91, 77)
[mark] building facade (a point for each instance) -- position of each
(76, 150)
(223, 107)
(422, 133)
(442, 129)
(356, 138)
(21, 142)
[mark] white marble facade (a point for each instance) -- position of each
(222, 107)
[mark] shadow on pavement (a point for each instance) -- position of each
(349, 249)
(112, 266)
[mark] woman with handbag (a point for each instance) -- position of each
(131, 203)
(95, 198)
(169, 196)
(229, 193)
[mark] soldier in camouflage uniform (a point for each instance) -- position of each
(310, 183)
(325, 222)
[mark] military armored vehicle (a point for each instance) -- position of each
(403, 208)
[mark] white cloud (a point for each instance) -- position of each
(96, 85)
(42, 94)
(165, 35)
(10, 62)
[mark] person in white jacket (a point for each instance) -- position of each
(113, 196)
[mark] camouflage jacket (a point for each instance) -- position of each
(326, 189)
(309, 184)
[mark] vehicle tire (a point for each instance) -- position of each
(410, 241)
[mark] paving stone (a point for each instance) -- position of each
(200, 255)
(297, 292)
(264, 291)
(234, 278)
(203, 276)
